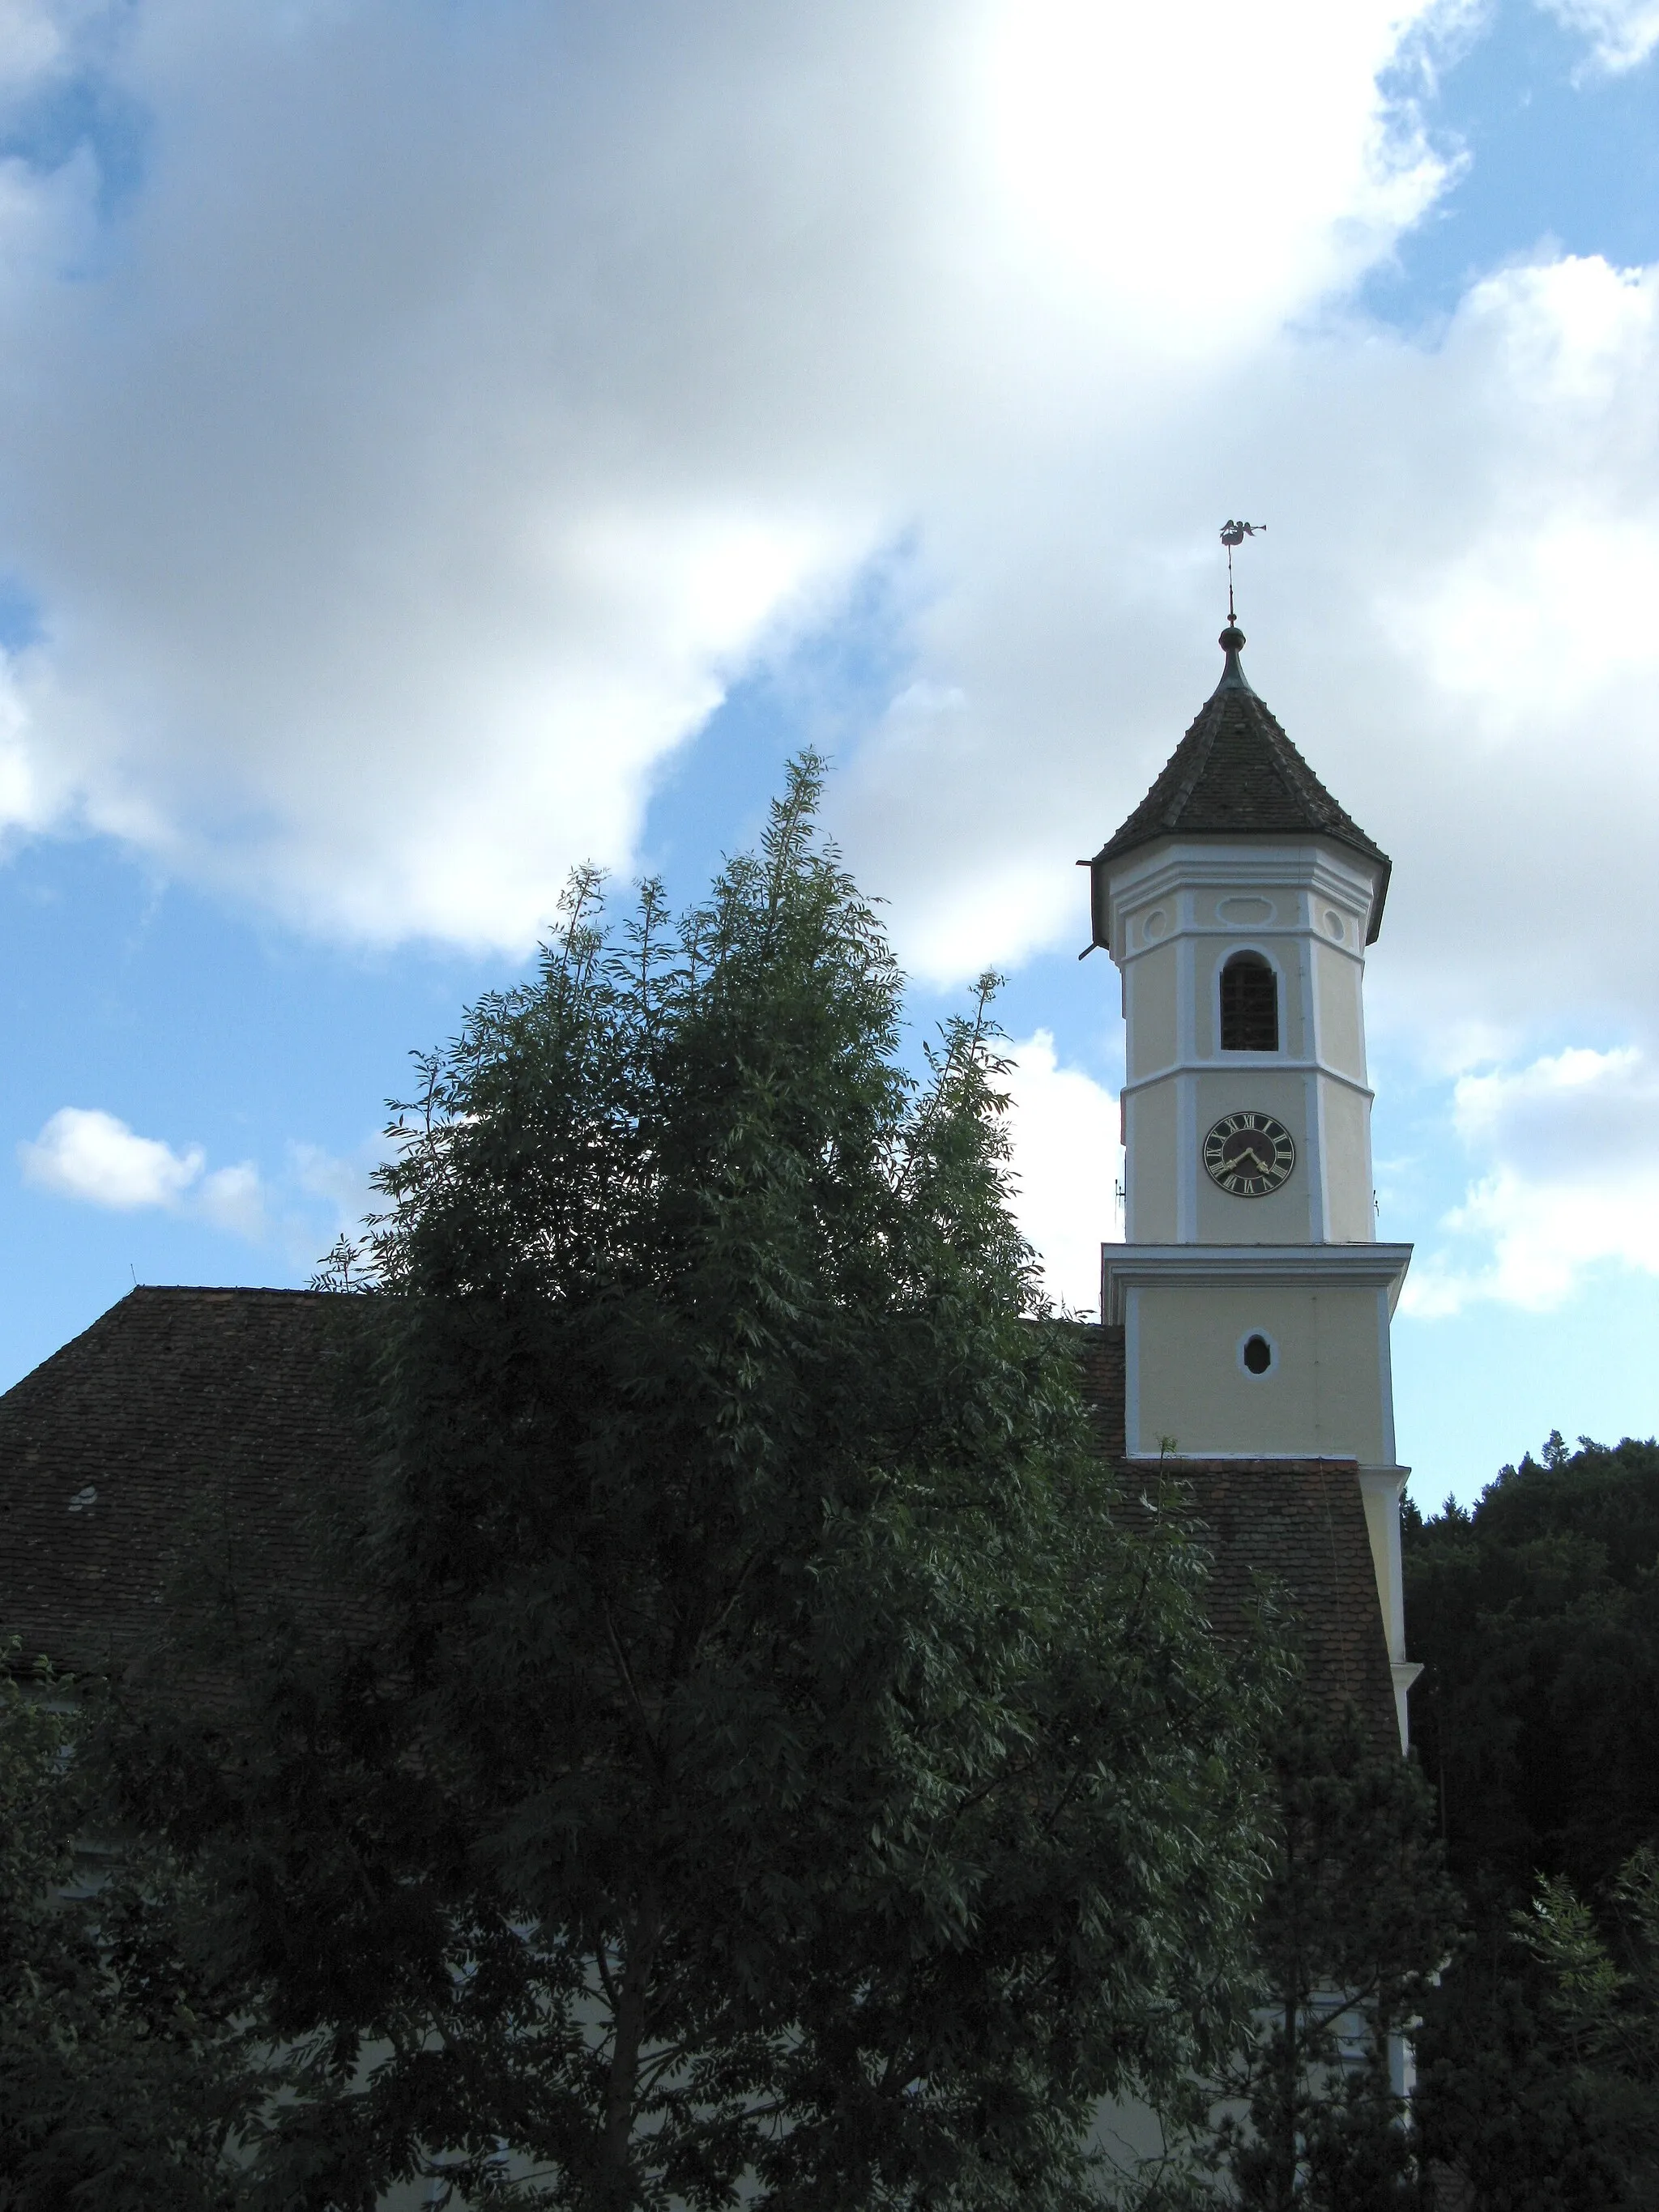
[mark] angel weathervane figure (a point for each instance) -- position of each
(1234, 533)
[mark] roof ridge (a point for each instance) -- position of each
(221, 1291)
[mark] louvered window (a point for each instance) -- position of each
(1250, 1005)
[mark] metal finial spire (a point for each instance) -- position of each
(1234, 533)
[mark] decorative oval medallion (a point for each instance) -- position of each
(1242, 911)
(1155, 924)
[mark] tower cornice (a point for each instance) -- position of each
(1125, 1268)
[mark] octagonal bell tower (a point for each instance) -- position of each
(1237, 902)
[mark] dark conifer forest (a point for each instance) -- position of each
(1536, 1617)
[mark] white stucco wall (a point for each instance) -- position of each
(1180, 912)
(1324, 1396)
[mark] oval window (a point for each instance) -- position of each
(1258, 1355)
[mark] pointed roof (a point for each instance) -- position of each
(1236, 775)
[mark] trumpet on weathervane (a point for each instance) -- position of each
(1234, 533)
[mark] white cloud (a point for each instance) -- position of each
(85, 1153)
(32, 39)
(234, 1198)
(344, 1185)
(409, 461)
(1446, 614)
(1063, 1127)
(1622, 33)
(411, 455)
(1569, 1179)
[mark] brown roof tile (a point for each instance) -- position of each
(175, 1405)
(1236, 775)
(1298, 1525)
(181, 1403)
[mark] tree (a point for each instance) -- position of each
(1605, 2008)
(1536, 1615)
(1540, 2079)
(1356, 1920)
(122, 2082)
(756, 1744)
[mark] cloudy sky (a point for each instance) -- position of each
(444, 440)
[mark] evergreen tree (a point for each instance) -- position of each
(1536, 1617)
(1537, 1715)
(1604, 2008)
(756, 1748)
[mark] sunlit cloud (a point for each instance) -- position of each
(1567, 1179)
(95, 1158)
(1063, 1126)
(439, 425)
(86, 1154)
(417, 449)
(1621, 34)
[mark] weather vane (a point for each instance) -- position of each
(1234, 533)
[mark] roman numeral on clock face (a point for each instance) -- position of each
(1248, 1153)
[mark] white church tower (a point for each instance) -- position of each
(1237, 902)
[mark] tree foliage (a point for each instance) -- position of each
(747, 1742)
(1356, 1920)
(1604, 2006)
(1537, 1616)
(122, 2082)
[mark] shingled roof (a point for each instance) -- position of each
(181, 1403)
(176, 1404)
(1236, 775)
(1296, 1525)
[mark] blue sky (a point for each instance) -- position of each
(440, 443)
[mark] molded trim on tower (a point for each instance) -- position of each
(1131, 1359)
(1173, 866)
(1134, 1266)
(1248, 1063)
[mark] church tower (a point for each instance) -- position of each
(1237, 902)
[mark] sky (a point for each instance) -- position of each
(444, 440)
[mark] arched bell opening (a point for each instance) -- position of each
(1250, 1005)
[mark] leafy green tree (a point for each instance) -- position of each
(121, 2083)
(758, 1749)
(1503, 2124)
(1356, 1921)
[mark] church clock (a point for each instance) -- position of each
(1249, 1154)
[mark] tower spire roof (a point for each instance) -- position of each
(1236, 775)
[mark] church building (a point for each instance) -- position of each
(1237, 902)
(1244, 1336)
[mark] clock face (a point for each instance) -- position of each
(1249, 1154)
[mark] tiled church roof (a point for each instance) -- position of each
(1297, 1524)
(175, 1406)
(184, 1405)
(1236, 775)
